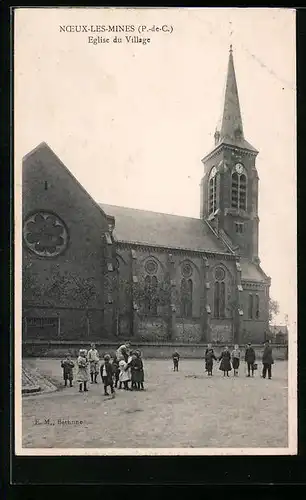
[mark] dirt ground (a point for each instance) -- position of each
(177, 409)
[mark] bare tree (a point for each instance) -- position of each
(273, 309)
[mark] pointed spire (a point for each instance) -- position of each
(230, 129)
(231, 125)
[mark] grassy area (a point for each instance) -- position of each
(183, 409)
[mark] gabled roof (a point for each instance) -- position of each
(44, 149)
(251, 272)
(165, 230)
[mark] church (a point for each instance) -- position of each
(97, 272)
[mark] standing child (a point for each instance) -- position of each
(141, 371)
(132, 366)
(82, 374)
(176, 359)
(236, 359)
(209, 359)
(106, 371)
(93, 358)
(123, 375)
(67, 364)
(225, 365)
(250, 358)
(137, 371)
(116, 371)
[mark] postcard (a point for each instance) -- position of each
(155, 231)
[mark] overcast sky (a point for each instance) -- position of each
(132, 121)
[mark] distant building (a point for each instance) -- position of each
(99, 271)
(279, 334)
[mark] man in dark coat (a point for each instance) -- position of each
(267, 361)
(250, 359)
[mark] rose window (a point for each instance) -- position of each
(45, 234)
(219, 274)
(151, 267)
(186, 270)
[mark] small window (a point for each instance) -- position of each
(212, 191)
(250, 306)
(239, 189)
(257, 310)
(239, 227)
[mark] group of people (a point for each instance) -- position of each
(231, 360)
(124, 368)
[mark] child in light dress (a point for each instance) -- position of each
(124, 375)
(82, 367)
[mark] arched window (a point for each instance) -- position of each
(189, 306)
(154, 298)
(186, 298)
(235, 190)
(151, 295)
(239, 189)
(219, 293)
(242, 192)
(147, 293)
(212, 191)
(257, 310)
(251, 303)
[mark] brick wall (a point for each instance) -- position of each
(187, 331)
(48, 186)
(148, 349)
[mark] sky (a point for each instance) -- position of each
(132, 121)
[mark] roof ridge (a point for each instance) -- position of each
(149, 211)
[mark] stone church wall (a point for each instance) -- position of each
(187, 331)
(152, 329)
(254, 329)
(74, 278)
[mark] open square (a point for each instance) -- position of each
(184, 409)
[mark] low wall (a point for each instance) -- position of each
(54, 349)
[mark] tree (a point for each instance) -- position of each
(84, 291)
(273, 309)
(144, 293)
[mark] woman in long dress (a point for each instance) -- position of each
(225, 365)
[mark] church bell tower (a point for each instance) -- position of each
(229, 187)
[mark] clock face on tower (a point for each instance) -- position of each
(239, 168)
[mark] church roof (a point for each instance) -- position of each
(231, 128)
(250, 271)
(170, 231)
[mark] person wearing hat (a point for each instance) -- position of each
(123, 352)
(82, 373)
(249, 358)
(267, 360)
(106, 371)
